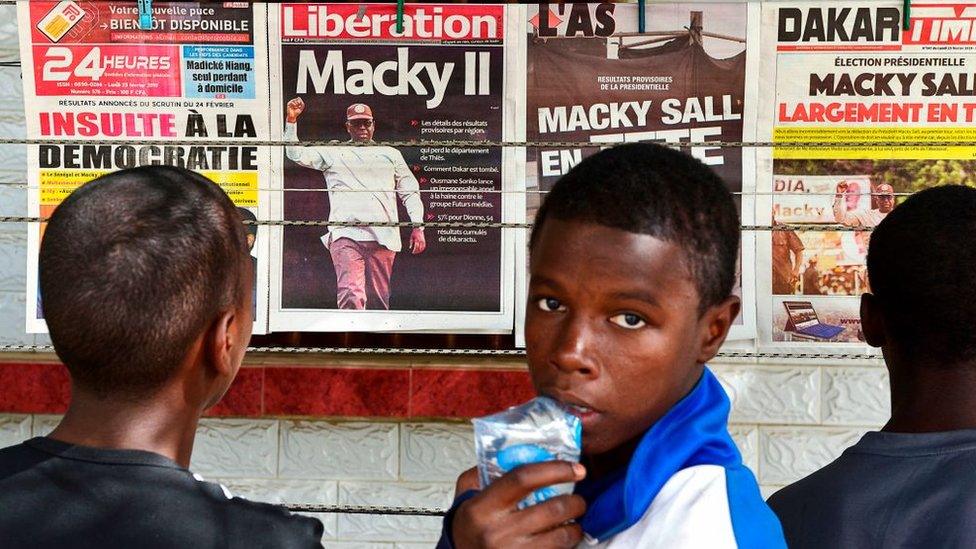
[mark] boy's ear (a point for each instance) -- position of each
(222, 345)
(872, 321)
(715, 326)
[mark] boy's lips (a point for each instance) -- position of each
(573, 404)
(581, 412)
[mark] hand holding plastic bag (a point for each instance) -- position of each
(539, 430)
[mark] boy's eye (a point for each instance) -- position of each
(550, 305)
(628, 320)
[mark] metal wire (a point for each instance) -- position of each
(483, 352)
(803, 356)
(366, 510)
(452, 191)
(388, 351)
(467, 144)
(463, 224)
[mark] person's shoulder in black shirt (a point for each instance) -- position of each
(912, 484)
(146, 284)
(78, 496)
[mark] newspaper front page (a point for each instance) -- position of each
(842, 76)
(91, 74)
(592, 77)
(346, 76)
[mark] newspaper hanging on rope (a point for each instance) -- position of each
(345, 74)
(842, 75)
(592, 77)
(91, 74)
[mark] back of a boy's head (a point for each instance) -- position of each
(133, 267)
(922, 269)
(654, 190)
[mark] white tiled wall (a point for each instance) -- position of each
(348, 451)
(435, 452)
(788, 420)
(392, 528)
(771, 394)
(855, 396)
(236, 448)
(14, 428)
(789, 453)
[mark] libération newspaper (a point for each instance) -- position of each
(839, 76)
(344, 75)
(592, 77)
(97, 84)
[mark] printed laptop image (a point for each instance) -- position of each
(803, 320)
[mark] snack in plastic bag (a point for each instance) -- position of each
(539, 430)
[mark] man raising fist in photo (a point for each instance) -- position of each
(364, 182)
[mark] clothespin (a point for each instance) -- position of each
(906, 15)
(145, 14)
(399, 21)
(642, 19)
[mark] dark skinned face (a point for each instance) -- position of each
(886, 203)
(361, 129)
(613, 328)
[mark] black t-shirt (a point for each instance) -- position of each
(907, 490)
(54, 494)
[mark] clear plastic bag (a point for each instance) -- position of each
(539, 430)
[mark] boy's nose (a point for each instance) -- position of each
(573, 352)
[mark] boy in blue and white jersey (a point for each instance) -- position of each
(633, 259)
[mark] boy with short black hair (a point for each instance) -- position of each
(911, 484)
(146, 285)
(632, 270)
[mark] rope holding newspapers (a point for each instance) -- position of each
(477, 352)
